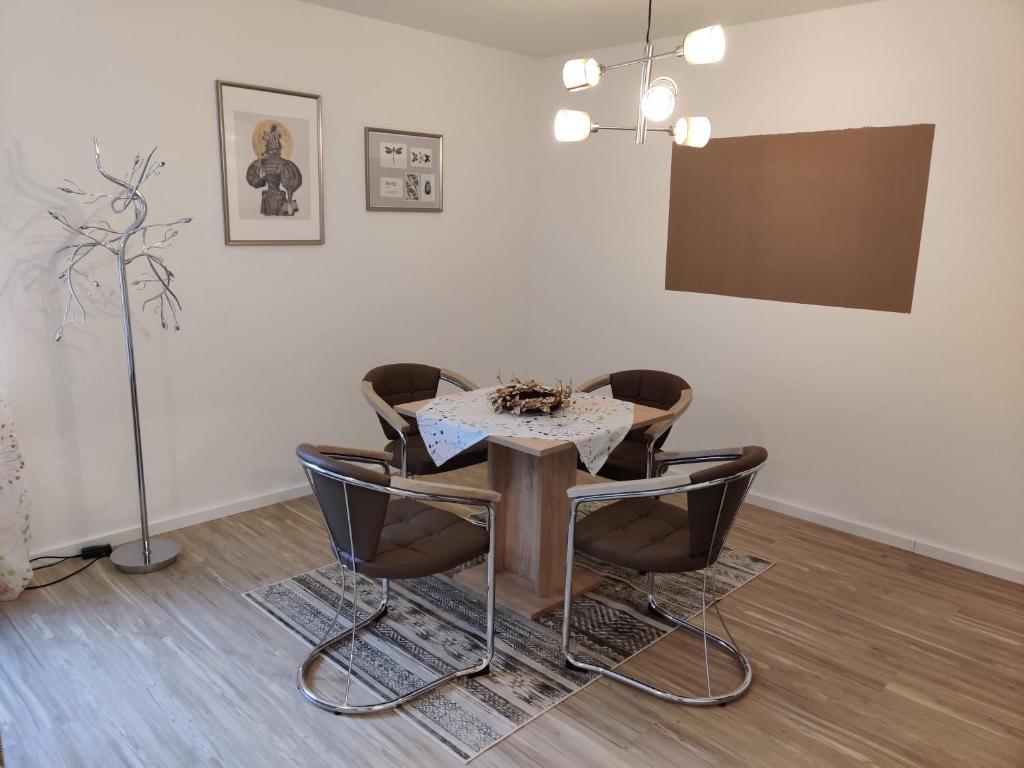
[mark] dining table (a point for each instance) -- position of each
(533, 475)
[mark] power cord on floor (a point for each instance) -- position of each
(92, 554)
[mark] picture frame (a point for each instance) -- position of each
(271, 154)
(404, 170)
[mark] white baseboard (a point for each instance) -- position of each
(894, 539)
(121, 535)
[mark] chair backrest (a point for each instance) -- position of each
(340, 500)
(656, 389)
(704, 504)
(399, 383)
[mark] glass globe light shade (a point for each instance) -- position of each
(580, 74)
(704, 46)
(572, 125)
(692, 131)
(659, 100)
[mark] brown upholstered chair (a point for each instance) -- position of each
(633, 458)
(641, 531)
(389, 385)
(380, 527)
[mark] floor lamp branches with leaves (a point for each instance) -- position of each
(133, 245)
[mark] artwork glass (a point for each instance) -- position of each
(271, 162)
(403, 171)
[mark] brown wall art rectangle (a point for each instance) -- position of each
(831, 217)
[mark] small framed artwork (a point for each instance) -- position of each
(403, 171)
(271, 155)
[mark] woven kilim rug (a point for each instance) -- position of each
(433, 624)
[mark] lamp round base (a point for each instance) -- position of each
(130, 558)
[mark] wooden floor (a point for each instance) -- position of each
(862, 654)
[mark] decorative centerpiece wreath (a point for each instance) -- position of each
(529, 396)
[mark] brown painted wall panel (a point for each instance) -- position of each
(831, 218)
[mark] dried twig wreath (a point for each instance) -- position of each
(529, 396)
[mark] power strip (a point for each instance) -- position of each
(99, 550)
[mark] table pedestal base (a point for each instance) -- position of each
(532, 474)
(517, 594)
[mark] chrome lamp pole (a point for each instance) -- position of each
(147, 554)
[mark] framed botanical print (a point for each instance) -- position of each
(271, 154)
(403, 171)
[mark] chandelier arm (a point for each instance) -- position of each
(630, 128)
(641, 60)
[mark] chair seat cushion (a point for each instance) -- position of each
(418, 540)
(645, 534)
(418, 461)
(627, 462)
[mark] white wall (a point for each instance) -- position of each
(908, 428)
(275, 339)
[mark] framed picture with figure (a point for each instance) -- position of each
(271, 155)
(403, 171)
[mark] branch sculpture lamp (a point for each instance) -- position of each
(657, 97)
(101, 238)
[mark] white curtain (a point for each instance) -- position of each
(15, 571)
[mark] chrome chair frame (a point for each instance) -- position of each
(397, 421)
(656, 487)
(480, 668)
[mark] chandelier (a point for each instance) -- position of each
(657, 97)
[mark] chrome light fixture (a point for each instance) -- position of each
(657, 97)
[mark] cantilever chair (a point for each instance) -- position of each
(389, 385)
(642, 532)
(380, 527)
(633, 458)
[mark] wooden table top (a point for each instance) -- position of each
(643, 416)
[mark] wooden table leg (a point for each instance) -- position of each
(532, 526)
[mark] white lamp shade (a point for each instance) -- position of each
(572, 125)
(659, 100)
(580, 74)
(692, 131)
(704, 46)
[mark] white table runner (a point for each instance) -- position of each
(596, 425)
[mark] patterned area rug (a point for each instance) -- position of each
(433, 624)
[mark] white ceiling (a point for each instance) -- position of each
(544, 28)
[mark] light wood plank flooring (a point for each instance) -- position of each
(863, 655)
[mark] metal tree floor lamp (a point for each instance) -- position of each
(99, 237)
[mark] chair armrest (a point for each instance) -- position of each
(354, 454)
(385, 411)
(597, 382)
(460, 492)
(456, 378)
(649, 486)
(664, 459)
(678, 408)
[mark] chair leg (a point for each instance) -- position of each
(344, 708)
(721, 643)
(677, 698)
